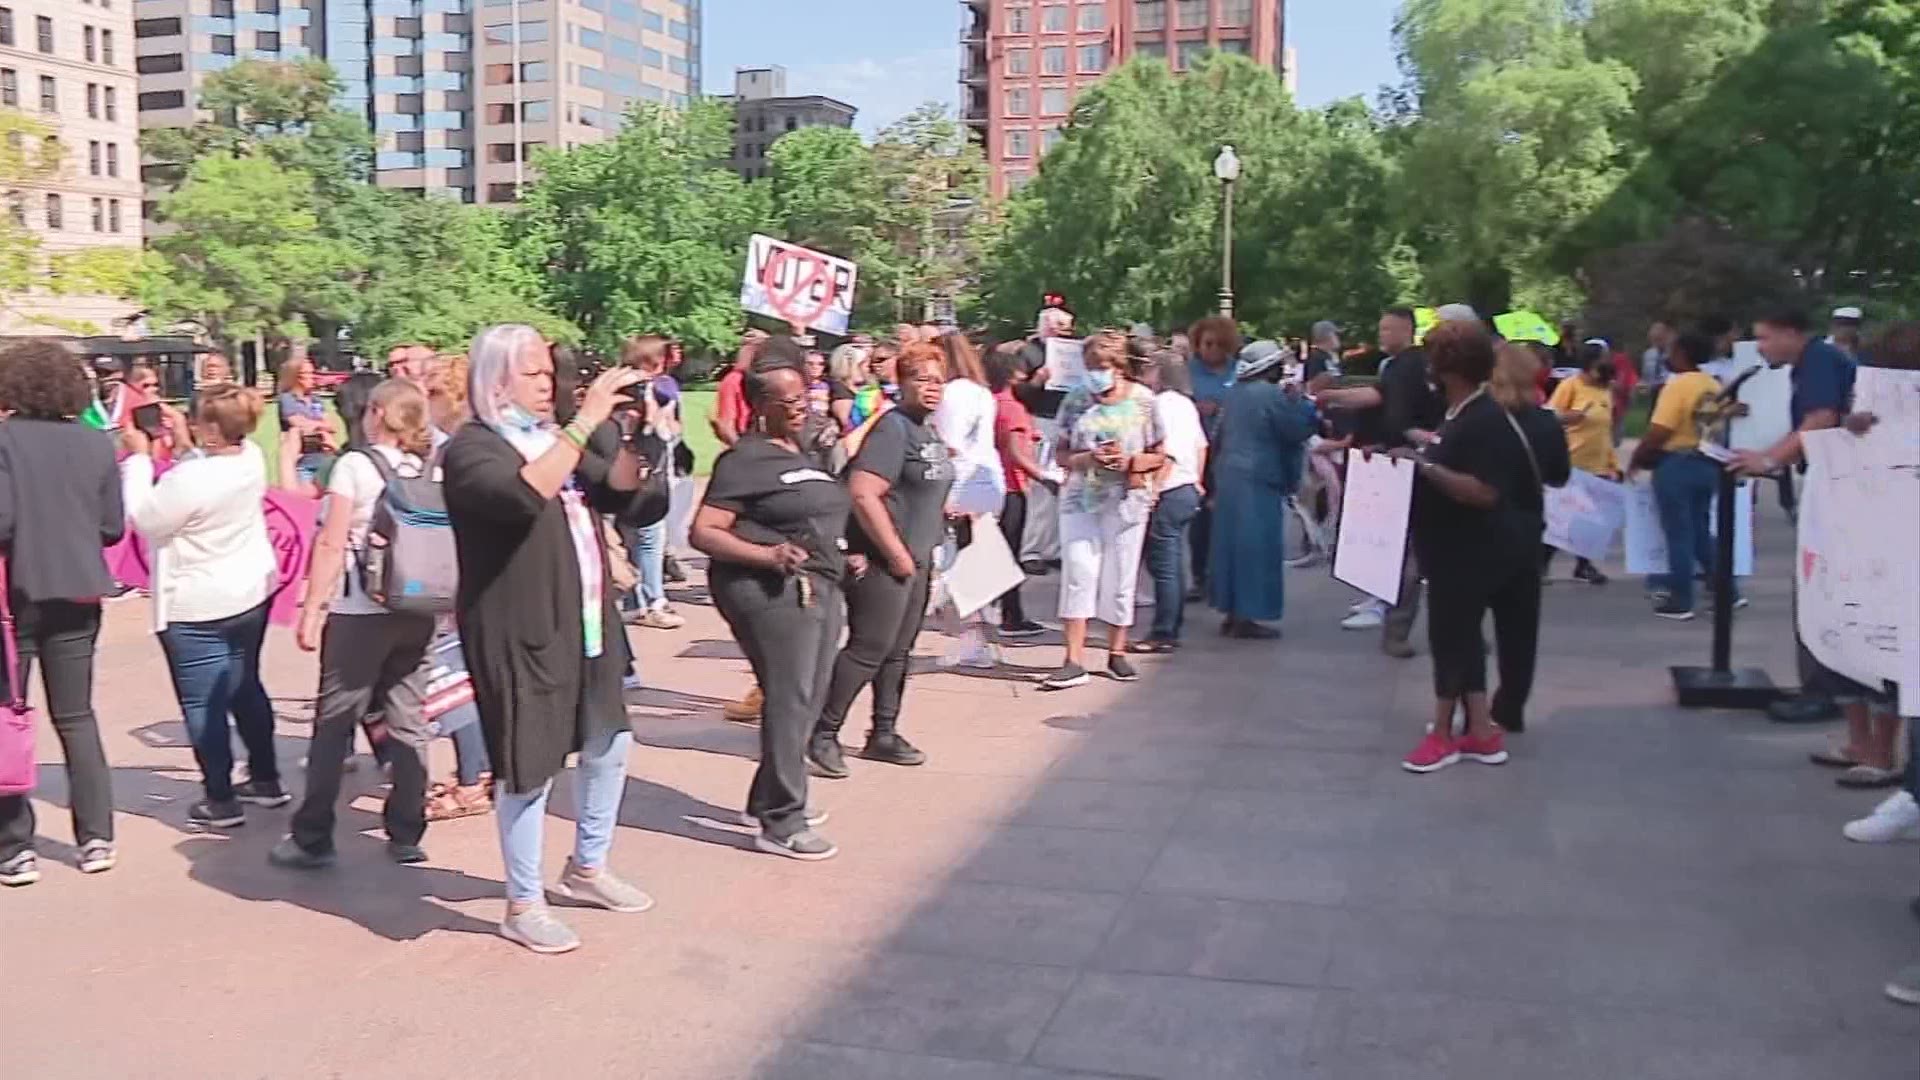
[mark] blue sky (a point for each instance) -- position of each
(887, 56)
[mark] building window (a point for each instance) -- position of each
(1236, 12)
(534, 71)
(113, 104)
(1053, 19)
(267, 7)
(1019, 143)
(1053, 101)
(502, 193)
(1092, 16)
(113, 215)
(679, 31)
(161, 99)
(593, 39)
(1019, 20)
(99, 215)
(44, 27)
(9, 88)
(1237, 46)
(1150, 14)
(500, 153)
(222, 44)
(106, 47)
(267, 40)
(502, 33)
(1190, 53)
(1192, 14)
(1093, 58)
(1053, 60)
(88, 47)
(1017, 179)
(222, 9)
(536, 111)
(1051, 139)
(1019, 61)
(49, 95)
(162, 63)
(56, 219)
(113, 159)
(93, 101)
(146, 28)
(1019, 102)
(93, 157)
(501, 113)
(6, 26)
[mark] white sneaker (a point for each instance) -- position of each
(1365, 619)
(1895, 820)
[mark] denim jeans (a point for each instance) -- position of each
(470, 754)
(216, 672)
(1167, 558)
(1683, 487)
(647, 548)
(597, 791)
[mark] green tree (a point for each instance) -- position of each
(29, 155)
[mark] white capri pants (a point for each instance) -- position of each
(1100, 563)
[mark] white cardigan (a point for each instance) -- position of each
(208, 531)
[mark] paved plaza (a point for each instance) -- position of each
(1218, 872)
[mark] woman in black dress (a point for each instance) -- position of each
(536, 615)
(770, 521)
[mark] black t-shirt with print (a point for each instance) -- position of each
(1480, 442)
(910, 457)
(779, 495)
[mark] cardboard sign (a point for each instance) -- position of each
(1066, 363)
(983, 571)
(798, 286)
(1586, 516)
(1647, 539)
(1374, 515)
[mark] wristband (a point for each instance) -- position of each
(574, 435)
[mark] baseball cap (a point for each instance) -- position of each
(1849, 314)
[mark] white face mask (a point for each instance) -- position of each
(1099, 381)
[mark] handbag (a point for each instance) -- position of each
(17, 769)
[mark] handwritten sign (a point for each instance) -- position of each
(1373, 524)
(798, 286)
(1066, 363)
(1647, 539)
(1586, 516)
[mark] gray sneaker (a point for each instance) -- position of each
(805, 845)
(537, 929)
(601, 890)
(1904, 987)
(22, 869)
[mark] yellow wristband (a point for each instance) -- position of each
(574, 435)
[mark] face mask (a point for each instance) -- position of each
(1099, 381)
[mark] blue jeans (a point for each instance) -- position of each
(1167, 558)
(1683, 487)
(216, 672)
(597, 791)
(650, 558)
(470, 754)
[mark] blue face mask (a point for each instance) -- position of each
(1099, 381)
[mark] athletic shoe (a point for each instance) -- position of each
(1370, 618)
(828, 757)
(1673, 611)
(601, 890)
(658, 618)
(671, 570)
(1069, 676)
(1434, 753)
(267, 793)
(805, 845)
(1740, 602)
(979, 655)
(1248, 630)
(537, 929)
(289, 854)
(1895, 820)
(1491, 750)
(1034, 568)
(1361, 605)
(22, 869)
(96, 857)
(121, 592)
(1024, 629)
(889, 747)
(216, 815)
(1905, 985)
(406, 854)
(814, 819)
(1302, 562)
(1590, 574)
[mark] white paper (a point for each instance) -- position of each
(983, 571)
(1066, 363)
(1647, 540)
(1374, 513)
(1586, 516)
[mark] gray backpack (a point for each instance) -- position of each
(409, 564)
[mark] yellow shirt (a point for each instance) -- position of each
(1590, 442)
(1680, 404)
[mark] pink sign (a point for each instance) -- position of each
(290, 529)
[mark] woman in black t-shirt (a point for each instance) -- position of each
(899, 483)
(769, 521)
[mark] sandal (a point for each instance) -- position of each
(447, 802)
(1836, 756)
(1153, 647)
(1862, 777)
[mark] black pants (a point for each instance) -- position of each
(1458, 601)
(369, 663)
(1399, 620)
(883, 619)
(1013, 525)
(791, 647)
(61, 635)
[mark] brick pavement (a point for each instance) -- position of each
(1217, 872)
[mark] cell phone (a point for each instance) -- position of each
(147, 418)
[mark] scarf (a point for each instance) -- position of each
(533, 438)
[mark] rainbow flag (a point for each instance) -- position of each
(96, 417)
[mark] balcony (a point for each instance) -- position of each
(973, 74)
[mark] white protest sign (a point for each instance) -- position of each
(797, 285)
(1856, 576)
(984, 570)
(1586, 516)
(1647, 539)
(1066, 363)
(1766, 394)
(1373, 524)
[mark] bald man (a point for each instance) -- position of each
(410, 362)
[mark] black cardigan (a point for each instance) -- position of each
(539, 695)
(59, 508)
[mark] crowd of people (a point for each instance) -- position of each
(538, 487)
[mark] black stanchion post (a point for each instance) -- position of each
(1720, 686)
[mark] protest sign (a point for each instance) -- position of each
(1855, 575)
(290, 529)
(798, 286)
(984, 570)
(1647, 540)
(1374, 510)
(1586, 515)
(1066, 363)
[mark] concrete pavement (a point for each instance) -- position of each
(1220, 871)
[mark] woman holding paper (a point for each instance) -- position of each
(1684, 479)
(1584, 407)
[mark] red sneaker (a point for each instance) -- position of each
(1434, 753)
(1491, 750)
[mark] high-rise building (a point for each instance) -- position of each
(763, 112)
(66, 66)
(1023, 62)
(458, 92)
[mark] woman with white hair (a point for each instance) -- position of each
(536, 613)
(1257, 458)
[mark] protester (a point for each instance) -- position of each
(966, 418)
(1653, 362)
(1179, 490)
(729, 417)
(1039, 547)
(819, 393)
(1016, 437)
(899, 484)
(60, 505)
(847, 384)
(1476, 534)
(307, 436)
(447, 396)
(534, 616)
(1216, 344)
(1257, 450)
(1516, 636)
(215, 574)
(1684, 479)
(1584, 406)
(1843, 331)
(659, 397)
(1321, 366)
(769, 522)
(410, 362)
(1112, 448)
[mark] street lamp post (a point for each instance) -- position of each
(1226, 169)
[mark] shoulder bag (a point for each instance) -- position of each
(17, 768)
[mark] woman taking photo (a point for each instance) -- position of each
(1179, 494)
(1684, 479)
(1257, 462)
(60, 505)
(214, 578)
(1476, 539)
(535, 614)
(1584, 407)
(769, 522)
(1111, 441)
(307, 438)
(899, 484)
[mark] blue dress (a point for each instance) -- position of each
(1257, 459)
